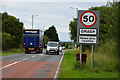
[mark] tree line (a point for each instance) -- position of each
(12, 32)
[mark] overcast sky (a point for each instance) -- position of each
(58, 14)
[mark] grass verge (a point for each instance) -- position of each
(69, 69)
(12, 51)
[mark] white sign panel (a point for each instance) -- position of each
(87, 39)
(31, 31)
(88, 31)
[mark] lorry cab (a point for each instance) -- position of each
(52, 47)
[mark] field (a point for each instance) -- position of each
(105, 66)
(12, 51)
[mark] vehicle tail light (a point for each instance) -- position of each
(24, 49)
(37, 50)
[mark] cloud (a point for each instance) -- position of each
(57, 0)
(58, 14)
(59, 29)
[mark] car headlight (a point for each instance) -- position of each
(56, 48)
(48, 48)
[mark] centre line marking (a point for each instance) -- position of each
(41, 54)
(25, 59)
(33, 56)
(10, 64)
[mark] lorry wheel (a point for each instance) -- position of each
(58, 53)
(26, 52)
(41, 51)
(46, 52)
(38, 52)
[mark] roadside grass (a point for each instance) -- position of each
(68, 49)
(12, 51)
(104, 66)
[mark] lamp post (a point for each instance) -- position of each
(32, 20)
(76, 17)
(43, 33)
(76, 11)
(80, 44)
(43, 29)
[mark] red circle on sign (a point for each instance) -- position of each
(88, 12)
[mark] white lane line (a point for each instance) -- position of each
(25, 59)
(33, 56)
(10, 64)
(41, 54)
(14, 63)
(56, 74)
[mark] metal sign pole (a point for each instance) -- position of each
(80, 54)
(32, 21)
(92, 58)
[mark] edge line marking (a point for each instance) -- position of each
(56, 74)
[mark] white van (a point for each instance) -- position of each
(52, 47)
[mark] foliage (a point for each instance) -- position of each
(69, 69)
(51, 33)
(73, 29)
(5, 39)
(12, 29)
(106, 53)
(68, 45)
(0, 31)
(108, 29)
(12, 52)
(45, 39)
(108, 21)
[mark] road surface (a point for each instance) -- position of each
(30, 66)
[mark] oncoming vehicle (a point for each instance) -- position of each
(60, 48)
(52, 47)
(63, 48)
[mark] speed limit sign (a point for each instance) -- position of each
(88, 18)
(88, 27)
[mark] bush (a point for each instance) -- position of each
(6, 41)
(77, 66)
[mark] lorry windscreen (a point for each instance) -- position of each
(53, 44)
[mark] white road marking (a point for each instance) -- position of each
(14, 63)
(10, 64)
(33, 56)
(56, 74)
(25, 59)
(41, 54)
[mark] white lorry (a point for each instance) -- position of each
(52, 47)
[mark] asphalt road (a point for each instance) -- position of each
(32, 66)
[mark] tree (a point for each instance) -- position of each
(108, 29)
(51, 33)
(5, 39)
(73, 29)
(45, 39)
(13, 27)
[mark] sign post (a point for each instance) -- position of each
(80, 54)
(92, 58)
(88, 30)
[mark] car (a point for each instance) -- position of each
(60, 48)
(63, 48)
(52, 47)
